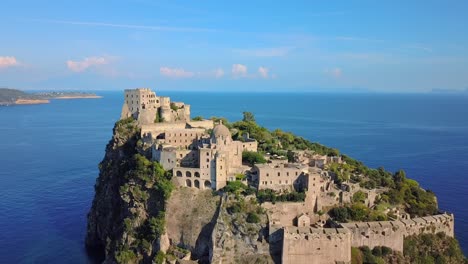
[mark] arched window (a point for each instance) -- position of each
(188, 174)
(188, 183)
(179, 174)
(196, 183)
(197, 174)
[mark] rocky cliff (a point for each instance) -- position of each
(139, 216)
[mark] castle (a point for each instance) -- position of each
(203, 155)
(199, 153)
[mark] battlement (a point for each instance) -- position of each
(392, 233)
(316, 245)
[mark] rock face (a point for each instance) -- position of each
(109, 209)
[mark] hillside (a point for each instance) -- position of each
(10, 96)
(17, 97)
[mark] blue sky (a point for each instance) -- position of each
(396, 46)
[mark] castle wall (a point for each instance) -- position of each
(304, 245)
(249, 146)
(160, 127)
(205, 124)
(392, 233)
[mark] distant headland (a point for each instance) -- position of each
(18, 97)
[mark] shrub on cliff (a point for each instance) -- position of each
(268, 195)
(253, 158)
(252, 217)
(430, 248)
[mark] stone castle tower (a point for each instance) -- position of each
(143, 105)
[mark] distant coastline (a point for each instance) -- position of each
(10, 97)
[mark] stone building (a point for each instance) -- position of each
(314, 160)
(143, 105)
(281, 177)
(215, 160)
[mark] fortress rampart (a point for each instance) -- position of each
(392, 233)
(316, 245)
(333, 245)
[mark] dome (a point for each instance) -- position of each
(221, 131)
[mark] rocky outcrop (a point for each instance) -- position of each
(190, 220)
(238, 237)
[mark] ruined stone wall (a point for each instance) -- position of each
(158, 127)
(316, 245)
(392, 233)
(250, 146)
(206, 124)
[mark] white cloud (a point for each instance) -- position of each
(334, 72)
(263, 71)
(8, 61)
(175, 73)
(219, 73)
(80, 66)
(239, 70)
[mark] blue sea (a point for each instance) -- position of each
(49, 154)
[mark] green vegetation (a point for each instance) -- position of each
(126, 127)
(252, 158)
(252, 217)
(430, 248)
(424, 248)
(174, 107)
(158, 118)
(356, 212)
(248, 117)
(197, 118)
(365, 255)
(418, 201)
(125, 256)
(147, 182)
(268, 195)
(237, 187)
(160, 258)
(401, 191)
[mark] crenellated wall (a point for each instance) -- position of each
(306, 245)
(392, 233)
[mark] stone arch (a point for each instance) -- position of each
(196, 184)
(207, 185)
(188, 174)
(188, 183)
(179, 174)
(197, 174)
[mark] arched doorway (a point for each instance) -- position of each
(196, 184)
(207, 185)
(188, 183)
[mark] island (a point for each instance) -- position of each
(176, 189)
(18, 97)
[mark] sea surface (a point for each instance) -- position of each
(49, 154)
